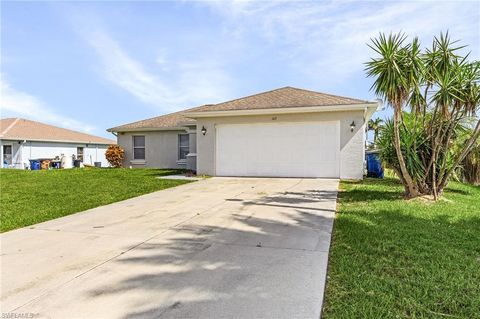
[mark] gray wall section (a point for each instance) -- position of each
(351, 143)
(192, 155)
(161, 149)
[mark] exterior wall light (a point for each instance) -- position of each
(204, 130)
(352, 126)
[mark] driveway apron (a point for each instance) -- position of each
(217, 248)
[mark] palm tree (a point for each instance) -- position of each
(375, 125)
(396, 72)
(441, 89)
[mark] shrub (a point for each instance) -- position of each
(414, 145)
(471, 167)
(115, 155)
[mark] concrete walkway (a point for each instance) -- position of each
(216, 248)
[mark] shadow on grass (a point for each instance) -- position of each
(381, 190)
(390, 189)
(387, 181)
(455, 190)
(164, 172)
(360, 195)
(404, 265)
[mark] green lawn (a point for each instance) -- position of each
(396, 259)
(30, 197)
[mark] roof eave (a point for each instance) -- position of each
(146, 129)
(14, 138)
(285, 110)
(376, 106)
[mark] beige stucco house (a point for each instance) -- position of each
(287, 132)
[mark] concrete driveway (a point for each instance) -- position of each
(216, 248)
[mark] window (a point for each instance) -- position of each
(139, 147)
(7, 154)
(183, 146)
(80, 153)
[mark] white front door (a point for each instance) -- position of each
(308, 149)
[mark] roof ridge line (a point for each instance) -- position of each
(10, 126)
(245, 97)
(333, 95)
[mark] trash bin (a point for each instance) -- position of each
(45, 164)
(56, 164)
(66, 162)
(76, 163)
(374, 166)
(98, 164)
(35, 165)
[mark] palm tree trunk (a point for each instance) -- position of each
(410, 188)
(434, 181)
(468, 147)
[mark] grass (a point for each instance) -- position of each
(392, 258)
(30, 197)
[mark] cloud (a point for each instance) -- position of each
(168, 85)
(326, 41)
(21, 104)
(129, 74)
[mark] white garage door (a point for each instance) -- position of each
(279, 150)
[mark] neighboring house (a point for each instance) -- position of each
(22, 140)
(287, 132)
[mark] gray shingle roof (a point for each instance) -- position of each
(171, 120)
(23, 129)
(285, 97)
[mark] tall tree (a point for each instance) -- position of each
(393, 72)
(441, 89)
(375, 125)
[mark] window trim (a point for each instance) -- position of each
(3, 154)
(179, 147)
(139, 147)
(83, 153)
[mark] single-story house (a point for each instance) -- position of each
(287, 132)
(22, 140)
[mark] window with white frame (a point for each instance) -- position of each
(183, 147)
(139, 147)
(80, 153)
(7, 154)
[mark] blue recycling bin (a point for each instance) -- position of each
(35, 165)
(374, 166)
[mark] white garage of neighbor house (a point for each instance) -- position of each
(22, 140)
(287, 132)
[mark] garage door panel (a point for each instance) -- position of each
(280, 149)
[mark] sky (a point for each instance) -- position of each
(92, 65)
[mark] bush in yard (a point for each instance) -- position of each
(469, 170)
(115, 155)
(441, 90)
(414, 143)
(471, 167)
